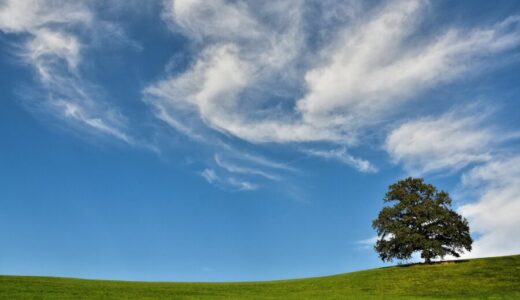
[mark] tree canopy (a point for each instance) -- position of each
(421, 220)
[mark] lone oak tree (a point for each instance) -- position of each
(420, 220)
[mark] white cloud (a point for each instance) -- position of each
(18, 16)
(448, 142)
(495, 215)
(267, 72)
(72, 111)
(256, 76)
(229, 64)
(374, 67)
(231, 183)
(55, 53)
(262, 161)
(47, 48)
(255, 61)
(214, 19)
(344, 157)
(368, 243)
(232, 63)
(235, 168)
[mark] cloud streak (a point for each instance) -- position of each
(227, 183)
(234, 168)
(342, 156)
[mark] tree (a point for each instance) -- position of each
(421, 220)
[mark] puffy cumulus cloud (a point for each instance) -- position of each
(495, 215)
(55, 52)
(448, 142)
(259, 77)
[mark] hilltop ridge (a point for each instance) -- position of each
(483, 278)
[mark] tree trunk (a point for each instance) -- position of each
(427, 260)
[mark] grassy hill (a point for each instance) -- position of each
(486, 278)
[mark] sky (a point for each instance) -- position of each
(190, 140)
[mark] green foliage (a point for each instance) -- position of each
(421, 220)
(490, 278)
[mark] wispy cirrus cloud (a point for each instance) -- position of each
(493, 213)
(367, 243)
(341, 155)
(443, 143)
(30, 15)
(258, 75)
(374, 68)
(53, 47)
(267, 73)
(239, 170)
(227, 182)
(236, 168)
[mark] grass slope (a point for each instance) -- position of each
(486, 278)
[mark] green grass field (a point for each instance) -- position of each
(487, 278)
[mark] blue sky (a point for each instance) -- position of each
(222, 140)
